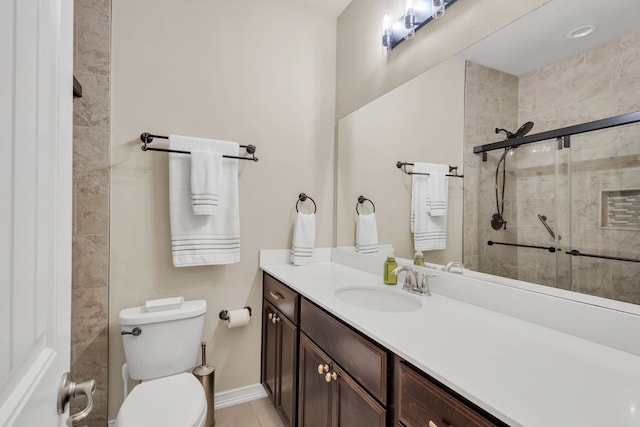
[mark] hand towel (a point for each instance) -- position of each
(206, 173)
(367, 234)
(304, 239)
(203, 239)
(429, 231)
(437, 189)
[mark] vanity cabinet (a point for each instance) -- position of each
(280, 347)
(329, 397)
(320, 372)
(423, 402)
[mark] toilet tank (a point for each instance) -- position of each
(169, 338)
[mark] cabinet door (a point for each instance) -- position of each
(352, 405)
(287, 369)
(269, 351)
(421, 402)
(314, 394)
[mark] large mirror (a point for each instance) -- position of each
(582, 195)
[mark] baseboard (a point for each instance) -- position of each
(232, 397)
(239, 395)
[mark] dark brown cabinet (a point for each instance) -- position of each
(280, 349)
(421, 401)
(329, 397)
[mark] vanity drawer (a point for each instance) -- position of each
(421, 402)
(361, 358)
(283, 298)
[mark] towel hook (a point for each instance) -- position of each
(362, 199)
(303, 198)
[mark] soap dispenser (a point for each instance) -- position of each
(418, 258)
(389, 265)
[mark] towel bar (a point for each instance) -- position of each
(147, 138)
(403, 166)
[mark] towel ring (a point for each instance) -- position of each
(303, 198)
(362, 199)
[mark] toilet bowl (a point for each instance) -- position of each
(174, 401)
(161, 341)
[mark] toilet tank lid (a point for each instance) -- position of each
(140, 315)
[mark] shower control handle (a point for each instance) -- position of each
(135, 332)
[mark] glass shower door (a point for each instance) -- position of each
(521, 186)
(605, 213)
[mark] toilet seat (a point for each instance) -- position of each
(174, 401)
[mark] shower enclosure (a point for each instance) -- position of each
(571, 207)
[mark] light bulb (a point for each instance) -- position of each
(437, 10)
(410, 19)
(386, 33)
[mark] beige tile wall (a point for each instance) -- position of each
(91, 179)
(491, 100)
(600, 83)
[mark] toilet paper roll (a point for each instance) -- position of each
(239, 317)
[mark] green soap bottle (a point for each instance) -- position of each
(389, 265)
(418, 258)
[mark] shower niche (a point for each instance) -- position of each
(570, 202)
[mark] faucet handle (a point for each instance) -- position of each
(424, 283)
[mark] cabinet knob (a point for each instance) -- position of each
(322, 368)
(331, 376)
(275, 319)
(270, 316)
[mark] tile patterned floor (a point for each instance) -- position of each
(257, 413)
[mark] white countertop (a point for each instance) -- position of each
(521, 372)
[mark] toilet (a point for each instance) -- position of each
(161, 343)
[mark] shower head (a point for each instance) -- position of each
(524, 129)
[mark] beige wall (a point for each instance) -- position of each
(420, 121)
(255, 72)
(364, 72)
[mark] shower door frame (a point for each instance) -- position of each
(560, 134)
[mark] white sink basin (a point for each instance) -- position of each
(378, 299)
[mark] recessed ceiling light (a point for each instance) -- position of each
(581, 31)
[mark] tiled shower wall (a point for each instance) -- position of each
(491, 100)
(596, 84)
(599, 83)
(91, 180)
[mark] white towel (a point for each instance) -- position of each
(304, 238)
(437, 189)
(203, 239)
(206, 175)
(367, 234)
(429, 230)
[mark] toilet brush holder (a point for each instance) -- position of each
(207, 375)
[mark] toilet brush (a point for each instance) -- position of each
(206, 375)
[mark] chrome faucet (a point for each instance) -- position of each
(411, 281)
(452, 264)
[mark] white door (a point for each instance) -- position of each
(35, 207)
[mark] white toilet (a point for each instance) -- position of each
(161, 344)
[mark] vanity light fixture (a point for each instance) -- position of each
(417, 13)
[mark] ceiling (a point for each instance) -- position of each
(539, 38)
(334, 7)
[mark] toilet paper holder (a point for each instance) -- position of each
(224, 314)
